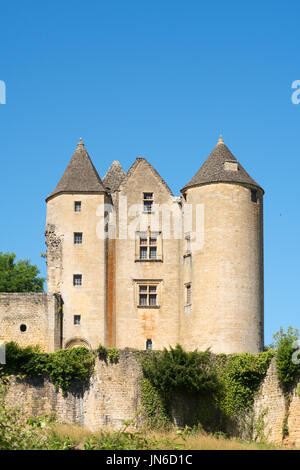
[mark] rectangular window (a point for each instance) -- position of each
(253, 196)
(77, 206)
(148, 202)
(77, 238)
(77, 280)
(147, 296)
(188, 294)
(77, 320)
(148, 247)
(149, 344)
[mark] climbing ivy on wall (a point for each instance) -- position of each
(227, 382)
(240, 376)
(62, 367)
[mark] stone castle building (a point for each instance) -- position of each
(131, 265)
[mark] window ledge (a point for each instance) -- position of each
(158, 260)
(187, 305)
(148, 306)
(148, 212)
(187, 254)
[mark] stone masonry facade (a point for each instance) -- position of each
(131, 265)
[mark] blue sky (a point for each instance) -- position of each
(158, 79)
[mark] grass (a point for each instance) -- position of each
(75, 437)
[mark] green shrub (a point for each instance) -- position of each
(240, 376)
(113, 355)
(286, 369)
(178, 370)
(61, 367)
(102, 352)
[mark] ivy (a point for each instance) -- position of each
(62, 367)
(113, 355)
(156, 412)
(240, 376)
(226, 383)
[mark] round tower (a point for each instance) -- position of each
(76, 253)
(224, 271)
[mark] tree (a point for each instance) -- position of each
(285, 344)
(19, 276)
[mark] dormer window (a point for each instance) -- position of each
(231, 166)
(148, 202)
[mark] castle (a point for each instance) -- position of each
(131, 265)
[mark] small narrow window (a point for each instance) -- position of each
(188, 294)
(77, 280)
(148, 202)
(23, 328)
(77, 206)
(149, 344)
(187, 244)
(76, 320)
(253, 196)
(77, 238)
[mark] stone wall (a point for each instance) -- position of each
(31, 319)
(114, 396)
(271, 401)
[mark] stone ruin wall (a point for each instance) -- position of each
(114, 396)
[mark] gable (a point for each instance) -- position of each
(142, 177)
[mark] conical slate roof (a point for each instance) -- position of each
(114, 176)
(80, 175)
(215, 169)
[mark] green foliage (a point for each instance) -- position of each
(102, 352)
(20, 276)
(17, 432)
(180, 370)
(240, 376)
(113, 355)
(128, 440)
(225, 383)
(283, 342)
(153, 404)
(62, 367)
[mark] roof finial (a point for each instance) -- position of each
(220, 141)
(80, 141)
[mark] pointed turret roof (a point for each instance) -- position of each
(114, 176)
(80, 175)
(215, 170)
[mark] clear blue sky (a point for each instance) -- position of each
(160, 79)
